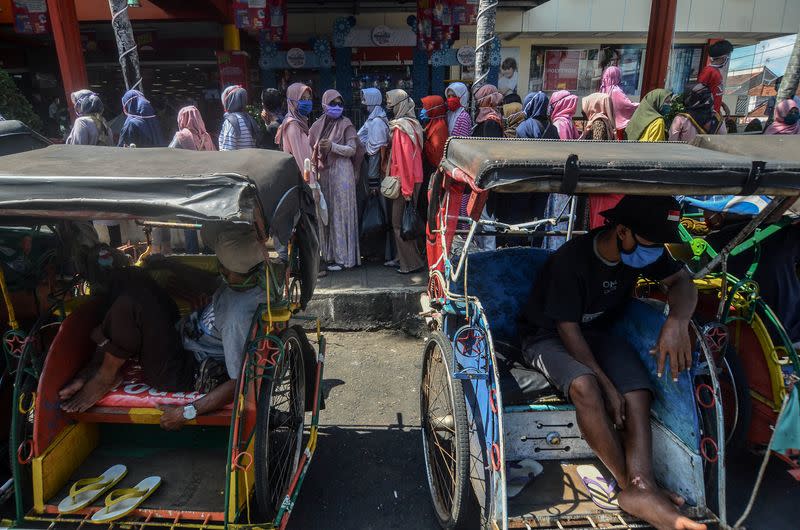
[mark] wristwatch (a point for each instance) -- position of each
(189, 412)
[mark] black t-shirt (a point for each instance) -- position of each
(488, 129)
(577, 285)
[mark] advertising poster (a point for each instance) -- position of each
(561, 69)
(438, 21)
(508, 81)
(268, 16)
(30, 17)
(232, 69)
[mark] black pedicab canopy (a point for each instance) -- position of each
(103, 183)
(637, 168)
(16, 137)
(771, 146)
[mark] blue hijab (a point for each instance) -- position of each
(141, 125)
(535, 107)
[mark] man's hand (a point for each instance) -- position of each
(172, 418)
(674, 342)
(615, 405)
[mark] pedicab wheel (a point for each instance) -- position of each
(445, 437)
(280, 420)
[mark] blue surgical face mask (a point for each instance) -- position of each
(791, 118)
(304, 107)
(423, 115)
(665, 109)
(334, 111)
(641, 256)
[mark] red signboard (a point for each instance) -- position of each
(232, 69)
(262, 15)
(30, 16)
(561, 69)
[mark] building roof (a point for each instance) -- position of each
(744, 82)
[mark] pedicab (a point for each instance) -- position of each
(241, 466)
(489, 423)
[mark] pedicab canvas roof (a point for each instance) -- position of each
(89, 182)
(772, 146)
(16, 137)
(665, 168)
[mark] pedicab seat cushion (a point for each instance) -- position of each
(133, 392)
(503, 280)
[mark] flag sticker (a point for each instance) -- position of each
(674, 215)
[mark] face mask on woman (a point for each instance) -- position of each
(304, 107)
(665, 109)
(641, 256)
(423, 115)
(334, 111)
(453, 103)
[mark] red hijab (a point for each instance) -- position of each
(436, 128)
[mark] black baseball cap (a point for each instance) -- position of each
(720, 48)
(654, 218)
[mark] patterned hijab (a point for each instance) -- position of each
(488, 98)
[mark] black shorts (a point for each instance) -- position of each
(546, 353)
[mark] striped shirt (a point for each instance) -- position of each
(228, 141)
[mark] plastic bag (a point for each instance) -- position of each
(373, 222)
(411, 227)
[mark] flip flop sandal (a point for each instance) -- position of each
(120, 503)
(602, 492)
(87, 490)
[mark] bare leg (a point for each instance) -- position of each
(82, 376)
(641, 497)
(595, 425)
(97, 386)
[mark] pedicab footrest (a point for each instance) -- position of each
(470, 374)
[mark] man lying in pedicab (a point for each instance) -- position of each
(202, 352)
(565, 335)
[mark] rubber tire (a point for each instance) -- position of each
(463, 513)
(262, 488)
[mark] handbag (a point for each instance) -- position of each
(411, 227)
(373, 222)
(390, 187)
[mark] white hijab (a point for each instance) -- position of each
(460, 90)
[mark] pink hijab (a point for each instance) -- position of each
(562, 108)
(488, 98)
(293, 95)
(778, 126)
(598, 107)
(623, 106)
(192, 132)
(338, 131)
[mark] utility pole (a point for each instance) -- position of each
(126, 44)
(485, 36)
(792, 76)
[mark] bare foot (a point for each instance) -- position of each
(92, 392)
(72, 388)
(648, 504)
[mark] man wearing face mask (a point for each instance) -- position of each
(579, 293)
(713, 75)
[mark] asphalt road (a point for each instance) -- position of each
(368, 471)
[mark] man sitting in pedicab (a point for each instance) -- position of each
(565, 330)
(202, 352)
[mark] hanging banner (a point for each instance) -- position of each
(232, 69)
(438, 21)
(268, 16)
(561, 69)
(30, 17)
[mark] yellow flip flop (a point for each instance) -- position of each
(87, 490)
(120, 503)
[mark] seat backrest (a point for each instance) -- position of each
(503, 280)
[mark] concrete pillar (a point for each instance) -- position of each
(659, 44)
(67, 37)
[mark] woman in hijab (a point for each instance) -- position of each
(600, 125)
(488, 122)
(433, 117)
(335, 156)
(292, 135)
(562, 108)
(513, 115)
(90, 128)
(699, 117)
(239, 130)
(405, 162)
(374, 135)
(141, 128)
(786, 118)
(192, 132)
(623, 106)
(535, 108)
(648, 123)
(459, 122)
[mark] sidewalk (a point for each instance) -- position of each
(369, 297)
